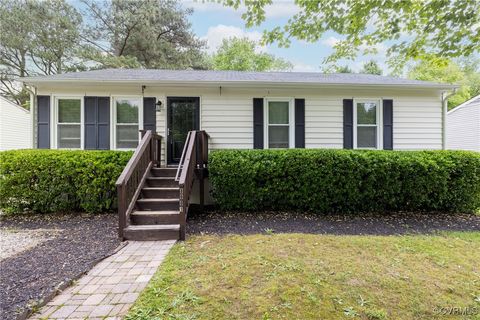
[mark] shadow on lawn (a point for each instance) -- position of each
(217, 222)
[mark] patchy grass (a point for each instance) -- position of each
(300, 276)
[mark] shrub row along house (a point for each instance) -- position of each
(105, 109)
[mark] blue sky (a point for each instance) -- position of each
(213, 22)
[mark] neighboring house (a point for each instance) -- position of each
(463, 126)
(15, 126)
(104, 109)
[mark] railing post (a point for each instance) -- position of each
(201, 168)
(122, 203)
(182, 212)
(158, 145)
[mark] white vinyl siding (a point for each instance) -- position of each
(227, 114)
(417, 123)
(463, 126)
(15, 126)
(228, 119)
(323, 122)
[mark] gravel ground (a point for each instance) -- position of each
(14, 241)
(76, 242)
(216, 222)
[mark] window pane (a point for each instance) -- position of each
(69, 136)
(278, 112)
(69, 110)
(278, 136)
(127, 136)
(127, 111)
(366, 137)
(366, 113)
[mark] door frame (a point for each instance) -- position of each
(169, 148)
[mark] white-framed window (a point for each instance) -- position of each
(279, 120)
(367, 116)
(128, 112)
(69, 123)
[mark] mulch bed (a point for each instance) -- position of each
(216, 222)
(35, 274)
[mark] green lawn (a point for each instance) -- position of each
(301, 276)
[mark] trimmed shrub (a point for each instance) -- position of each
(324, 180)
(59, 180)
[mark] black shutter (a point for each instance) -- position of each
(348, 123)
(299, 123)
(388, 124)
(103, 123)
(97, 123)
(90, 115)
(258, 123)
(149, 114)
(43, 122)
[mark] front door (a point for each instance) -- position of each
(183, 116)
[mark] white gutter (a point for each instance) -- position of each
(445, 97)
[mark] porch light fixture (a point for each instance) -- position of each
(158, 106)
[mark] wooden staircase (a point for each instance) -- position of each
(153, 201)
(156, 215)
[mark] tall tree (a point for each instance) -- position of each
(445, 28)
(447, 71)
(36, 37)
(343, 69)
(239, 54)
(148, 33)
(371, 67)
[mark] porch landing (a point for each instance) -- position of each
(112, 286)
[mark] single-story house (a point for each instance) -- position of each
(105, 109)
(15, 126)
(463, 126)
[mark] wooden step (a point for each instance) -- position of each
(154, 217)
(160, 192)
(161, 182)
(157, 204)
(152, 232)
(164, 172)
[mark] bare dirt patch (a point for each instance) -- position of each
(14, 241)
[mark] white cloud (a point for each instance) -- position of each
(216, 34)
(330, 41)
(303, 67)
(281, 9)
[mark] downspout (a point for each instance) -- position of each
(445, 96)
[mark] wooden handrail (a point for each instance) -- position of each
(131, 180)
(193, 163)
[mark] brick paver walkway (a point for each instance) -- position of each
(112, 286)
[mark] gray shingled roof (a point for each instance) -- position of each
(232, 77)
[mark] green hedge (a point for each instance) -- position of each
(323, 180)
(59, 180)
